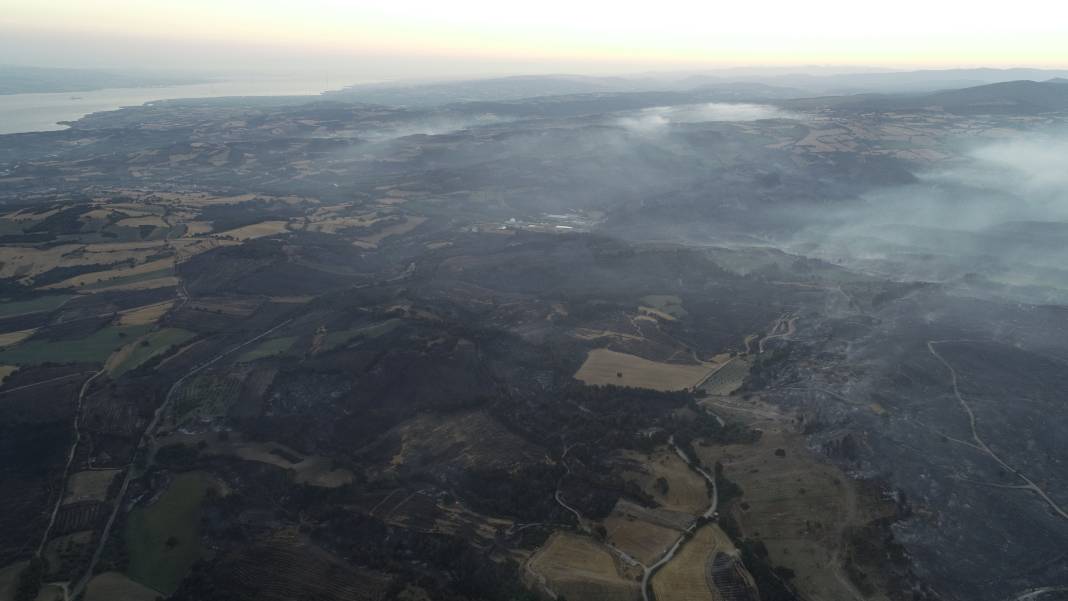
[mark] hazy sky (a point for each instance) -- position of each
(427, 37)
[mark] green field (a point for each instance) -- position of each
(95, 348)
(41, 303)
(268, 348)
(158, 342)
(163, 539)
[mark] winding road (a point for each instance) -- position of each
(70, 460)
(711, 511)
(648, 571)
(147, 436)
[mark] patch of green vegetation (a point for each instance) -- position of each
(95, 348)
(667, 303)
(343, 337)
(152, 344)
(34, 305)
(268, 348)
(208, 395)
(163, 539)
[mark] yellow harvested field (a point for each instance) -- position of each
(29, 215)
(404, 227)
(89, 485)
(256, 230)
(113, 586)
(652, 312)
(638, 538)
(604, 366)
(97, 214)
(7, 370)
(798, 506)
(152, 220)
(96, 277)
(112, 247)
(164, 282)
(684, 578)
(578, 567)
(22, 261)
(591, 334)
(686, 491)
(190, 247)
(11, 338)
(145, 315)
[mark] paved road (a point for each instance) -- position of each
(711, 511)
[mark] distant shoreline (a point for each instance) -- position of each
(55, 111)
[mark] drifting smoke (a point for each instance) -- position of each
(654, 119)
(434, 125)
(1000, 213)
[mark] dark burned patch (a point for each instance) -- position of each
(280, 567)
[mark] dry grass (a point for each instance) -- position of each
(683, 578)
(603, 366)
(13, 338)
(96, 277)
(642, 540)
(256, 230)
(190, 247)
(796, 505)
(193, 228)
(152, 220)
(7, 370)
(26, 262)
(686, 491)
(145, 315)
(164, 282)
(465, 440)
(409, 224)
(29, 215)
(90, 485)
(577, 567)
(113, 586)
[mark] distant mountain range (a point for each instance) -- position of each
(1011, 97)
(742, 83)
